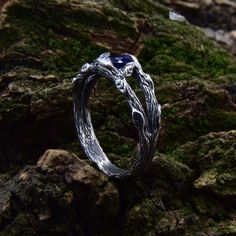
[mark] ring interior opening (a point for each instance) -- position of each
(116, 133)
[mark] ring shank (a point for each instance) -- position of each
(85, 129)
(147, 125)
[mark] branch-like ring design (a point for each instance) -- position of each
(117, 68)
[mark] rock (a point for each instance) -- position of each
(179, 194)
(156, 208)
(171, 170)
(38, 115)
(61, 186)
(67, 193)
(168, 222)
(193, 104)
(213, 156)
(54, 159)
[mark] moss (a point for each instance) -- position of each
(39, 35)
(181, 53)
(217, 116)
(107, 19)
(118, 148)
(15, 109)
(140, 215)
(220, 182)
(208, 150)
(169, 170)
(157, 221)
(179, 129)
(213, 209)
(213, 157)
(22, 224)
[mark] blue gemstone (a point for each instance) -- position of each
(120, 61)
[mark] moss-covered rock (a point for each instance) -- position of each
(174, 205)
(43, 46)
(65, 195)
(190, 187)
(192, 108)
(62, 194)
(213, 158)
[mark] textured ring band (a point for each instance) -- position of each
(117, 68)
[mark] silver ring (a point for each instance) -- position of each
(118, 69)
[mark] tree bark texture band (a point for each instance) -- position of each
(147, 122)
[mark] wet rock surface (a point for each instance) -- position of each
(190, 187)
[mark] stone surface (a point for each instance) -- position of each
(37, 67)
(194, 181)
(190, 187)
(60, 194)
(214, 157)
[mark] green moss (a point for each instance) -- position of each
(180, 52)
(156, 221)
(218, 180)
(114, 143)
(40, 34)
(142, 214)
(180, 129)
(203, 206)
(107, 19)
(213, 157)
(209, 149)
(8, 38)
(220, 120)
(167, 169)
(15, 109)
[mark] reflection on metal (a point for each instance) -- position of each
(117, 68)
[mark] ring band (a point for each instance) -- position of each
(117, 68)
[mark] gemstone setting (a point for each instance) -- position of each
(120, 61)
